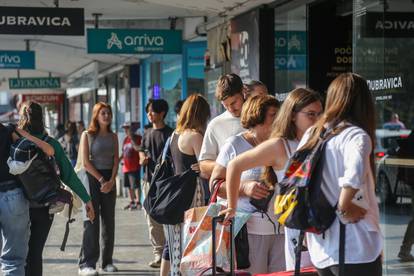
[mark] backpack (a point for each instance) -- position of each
(301, 203)
(169, 195)
(37, 172)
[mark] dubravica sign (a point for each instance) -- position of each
(47, 21)
(34, 83)
(17, 60)
(130, 41)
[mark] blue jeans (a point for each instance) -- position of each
(15, 231)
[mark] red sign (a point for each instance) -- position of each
(44, 98)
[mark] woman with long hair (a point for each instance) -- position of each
(31, 120)
(299, 111)
(185, 148)
(257, 116)
(70, 142)
(101, 163)
(348, 180)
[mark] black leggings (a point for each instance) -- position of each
(365, 269)
(40, 225)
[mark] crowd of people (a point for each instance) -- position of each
(248, 146)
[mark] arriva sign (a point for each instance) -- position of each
(130, 41)
(17, 60)
(34, 83)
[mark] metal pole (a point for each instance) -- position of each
(97, 15)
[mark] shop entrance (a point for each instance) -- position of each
(329, 42)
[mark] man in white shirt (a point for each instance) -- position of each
(229, 92)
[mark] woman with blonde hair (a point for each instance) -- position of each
(185, 148)
(101, 164)
(298, 112)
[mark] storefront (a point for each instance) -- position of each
(172, 77)
(317, 40)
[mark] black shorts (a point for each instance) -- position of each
(132, 180)
(166, 252)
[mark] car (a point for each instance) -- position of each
(391, 168)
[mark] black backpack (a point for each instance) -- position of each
(169, 195)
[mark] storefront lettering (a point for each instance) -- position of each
(9, 59)
(388, 83)
(34, 21)
(36, 83)
(394, 25)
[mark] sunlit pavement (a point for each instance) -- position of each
(132, 248)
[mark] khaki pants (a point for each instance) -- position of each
(156, 230)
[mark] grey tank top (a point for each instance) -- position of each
(103, 151)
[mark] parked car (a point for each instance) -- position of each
(390, 176)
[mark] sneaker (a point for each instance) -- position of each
(87, 271)
(133, 206)
(110, 268)
(405, 257)
(155, 263)
(138, 206)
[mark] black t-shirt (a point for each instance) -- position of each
(153, 143)
(5, 143)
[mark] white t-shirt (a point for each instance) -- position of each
(347, 163)
(218, 130)
(258, 224)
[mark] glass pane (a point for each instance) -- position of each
(383, 53)
(290, 49)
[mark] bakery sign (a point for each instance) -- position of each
(42, 21)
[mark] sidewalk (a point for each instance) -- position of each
(132, 248)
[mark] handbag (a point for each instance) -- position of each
(169, 195)
(241, 240)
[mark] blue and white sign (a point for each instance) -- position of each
(17, 60)
(130, 41)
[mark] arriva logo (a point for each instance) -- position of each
(9, 59)
(139, 40)
(114, 40)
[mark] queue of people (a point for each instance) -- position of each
(248, 147)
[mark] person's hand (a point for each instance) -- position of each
(144, 161)
(229, 214)
(195, 167)
(107, 186)
(255, 189)
(353, 213)
(90, 212)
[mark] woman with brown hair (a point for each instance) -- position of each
(298, 112)
(31, 120)
(101, 163)
(348, 180)
(185, 148)
(257, 116)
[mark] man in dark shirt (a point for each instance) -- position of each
(14, 212)
(152, 145)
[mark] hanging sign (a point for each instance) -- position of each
(34, 83)
(130, 41)
(44, 98)
(45, 21)
(17, 60)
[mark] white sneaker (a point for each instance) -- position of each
(110, 268)
(87, 271)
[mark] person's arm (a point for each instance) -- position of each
(260, 156)
(107, 186)
(208, 153)
(356, 161)
(143, 158)
(89, 167)
(44, 146)
(136, 145)
(196, 141)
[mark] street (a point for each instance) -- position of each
(132, 248)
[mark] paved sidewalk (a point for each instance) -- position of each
(132, 248)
